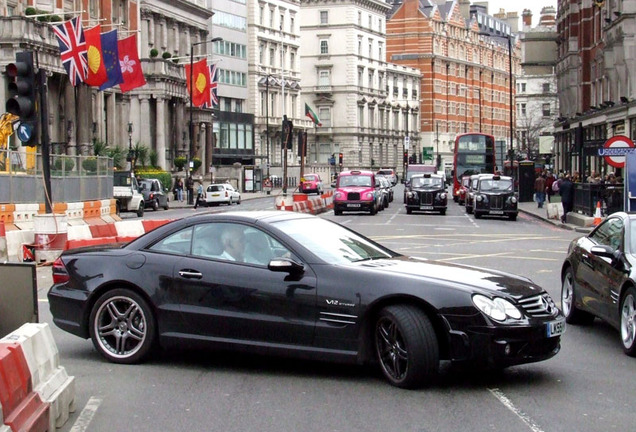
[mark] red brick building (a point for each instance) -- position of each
(466, 82)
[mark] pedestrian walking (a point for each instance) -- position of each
(539, 189)
(199, 194)
(566, 190)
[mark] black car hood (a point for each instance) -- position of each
(470, 279)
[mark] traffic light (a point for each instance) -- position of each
(405, 158)
(22, 101)
(340, 159)
(288, 129)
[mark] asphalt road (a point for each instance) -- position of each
(586, 387)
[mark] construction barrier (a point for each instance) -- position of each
(50, 232)
(22, 408)
(284, 202)
(49, 380)
(3, 242)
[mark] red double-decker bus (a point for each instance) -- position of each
(474, 153)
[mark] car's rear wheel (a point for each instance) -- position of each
(167, 206)
(573, 315)
(122, 327)
(406, 346)
(628, 322)
(155, 205)
(140, 210)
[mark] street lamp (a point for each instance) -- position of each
(191, 125)
(510, 87)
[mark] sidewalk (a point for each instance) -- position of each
(575, 221)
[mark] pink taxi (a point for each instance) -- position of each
(356, 191)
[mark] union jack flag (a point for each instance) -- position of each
(70, 36)
(213, 87)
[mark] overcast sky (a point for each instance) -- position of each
(519, 5)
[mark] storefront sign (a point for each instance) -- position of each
(615, 149)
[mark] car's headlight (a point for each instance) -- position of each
(368, 196)
(442, 196)
(497, 308)
(479, 198)
(338, 196)
(513, 200)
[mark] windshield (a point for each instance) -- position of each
(310, 177)
(354, 180)
(496, 185)
(419, 182)
(333, 243)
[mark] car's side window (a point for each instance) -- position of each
(207, 241)
(177, 243)
(610, 233)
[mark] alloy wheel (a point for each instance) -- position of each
(392, 350)
(628, 321)
(121, 327)
(567, 295)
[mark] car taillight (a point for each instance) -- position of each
(60, 275)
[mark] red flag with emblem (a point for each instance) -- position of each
(200, 76)
(96, 69)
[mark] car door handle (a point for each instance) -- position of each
(190, 274)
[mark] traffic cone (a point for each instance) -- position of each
(597, 214)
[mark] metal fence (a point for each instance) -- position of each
(587, 195)
(73, 178)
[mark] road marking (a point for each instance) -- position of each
(86, 416)
(508, 404)
(43, 300)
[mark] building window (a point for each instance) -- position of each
(546, 87)
(545, 108)
(523, 109)
(325, 116)
(324, 46)
(324, 78)
(361, 116)
(324, 17)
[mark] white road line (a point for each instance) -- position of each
(87, 414)
(508, 404)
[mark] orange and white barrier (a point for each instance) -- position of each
(314, 205)
(22, 408)
(49, 380)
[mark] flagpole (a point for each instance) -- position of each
(191, 126)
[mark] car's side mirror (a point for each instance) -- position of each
(285, 265)
(610, 255)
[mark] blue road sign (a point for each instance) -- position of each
(24, 132)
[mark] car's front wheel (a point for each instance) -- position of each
(406, 346)
(122, 327)
(573, 315)
(628, 322)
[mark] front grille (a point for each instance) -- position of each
(427, 198)
(496, 202)
(539, 306)
(353, 196)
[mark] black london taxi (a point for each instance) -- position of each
(495, 196)
(426, 192)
